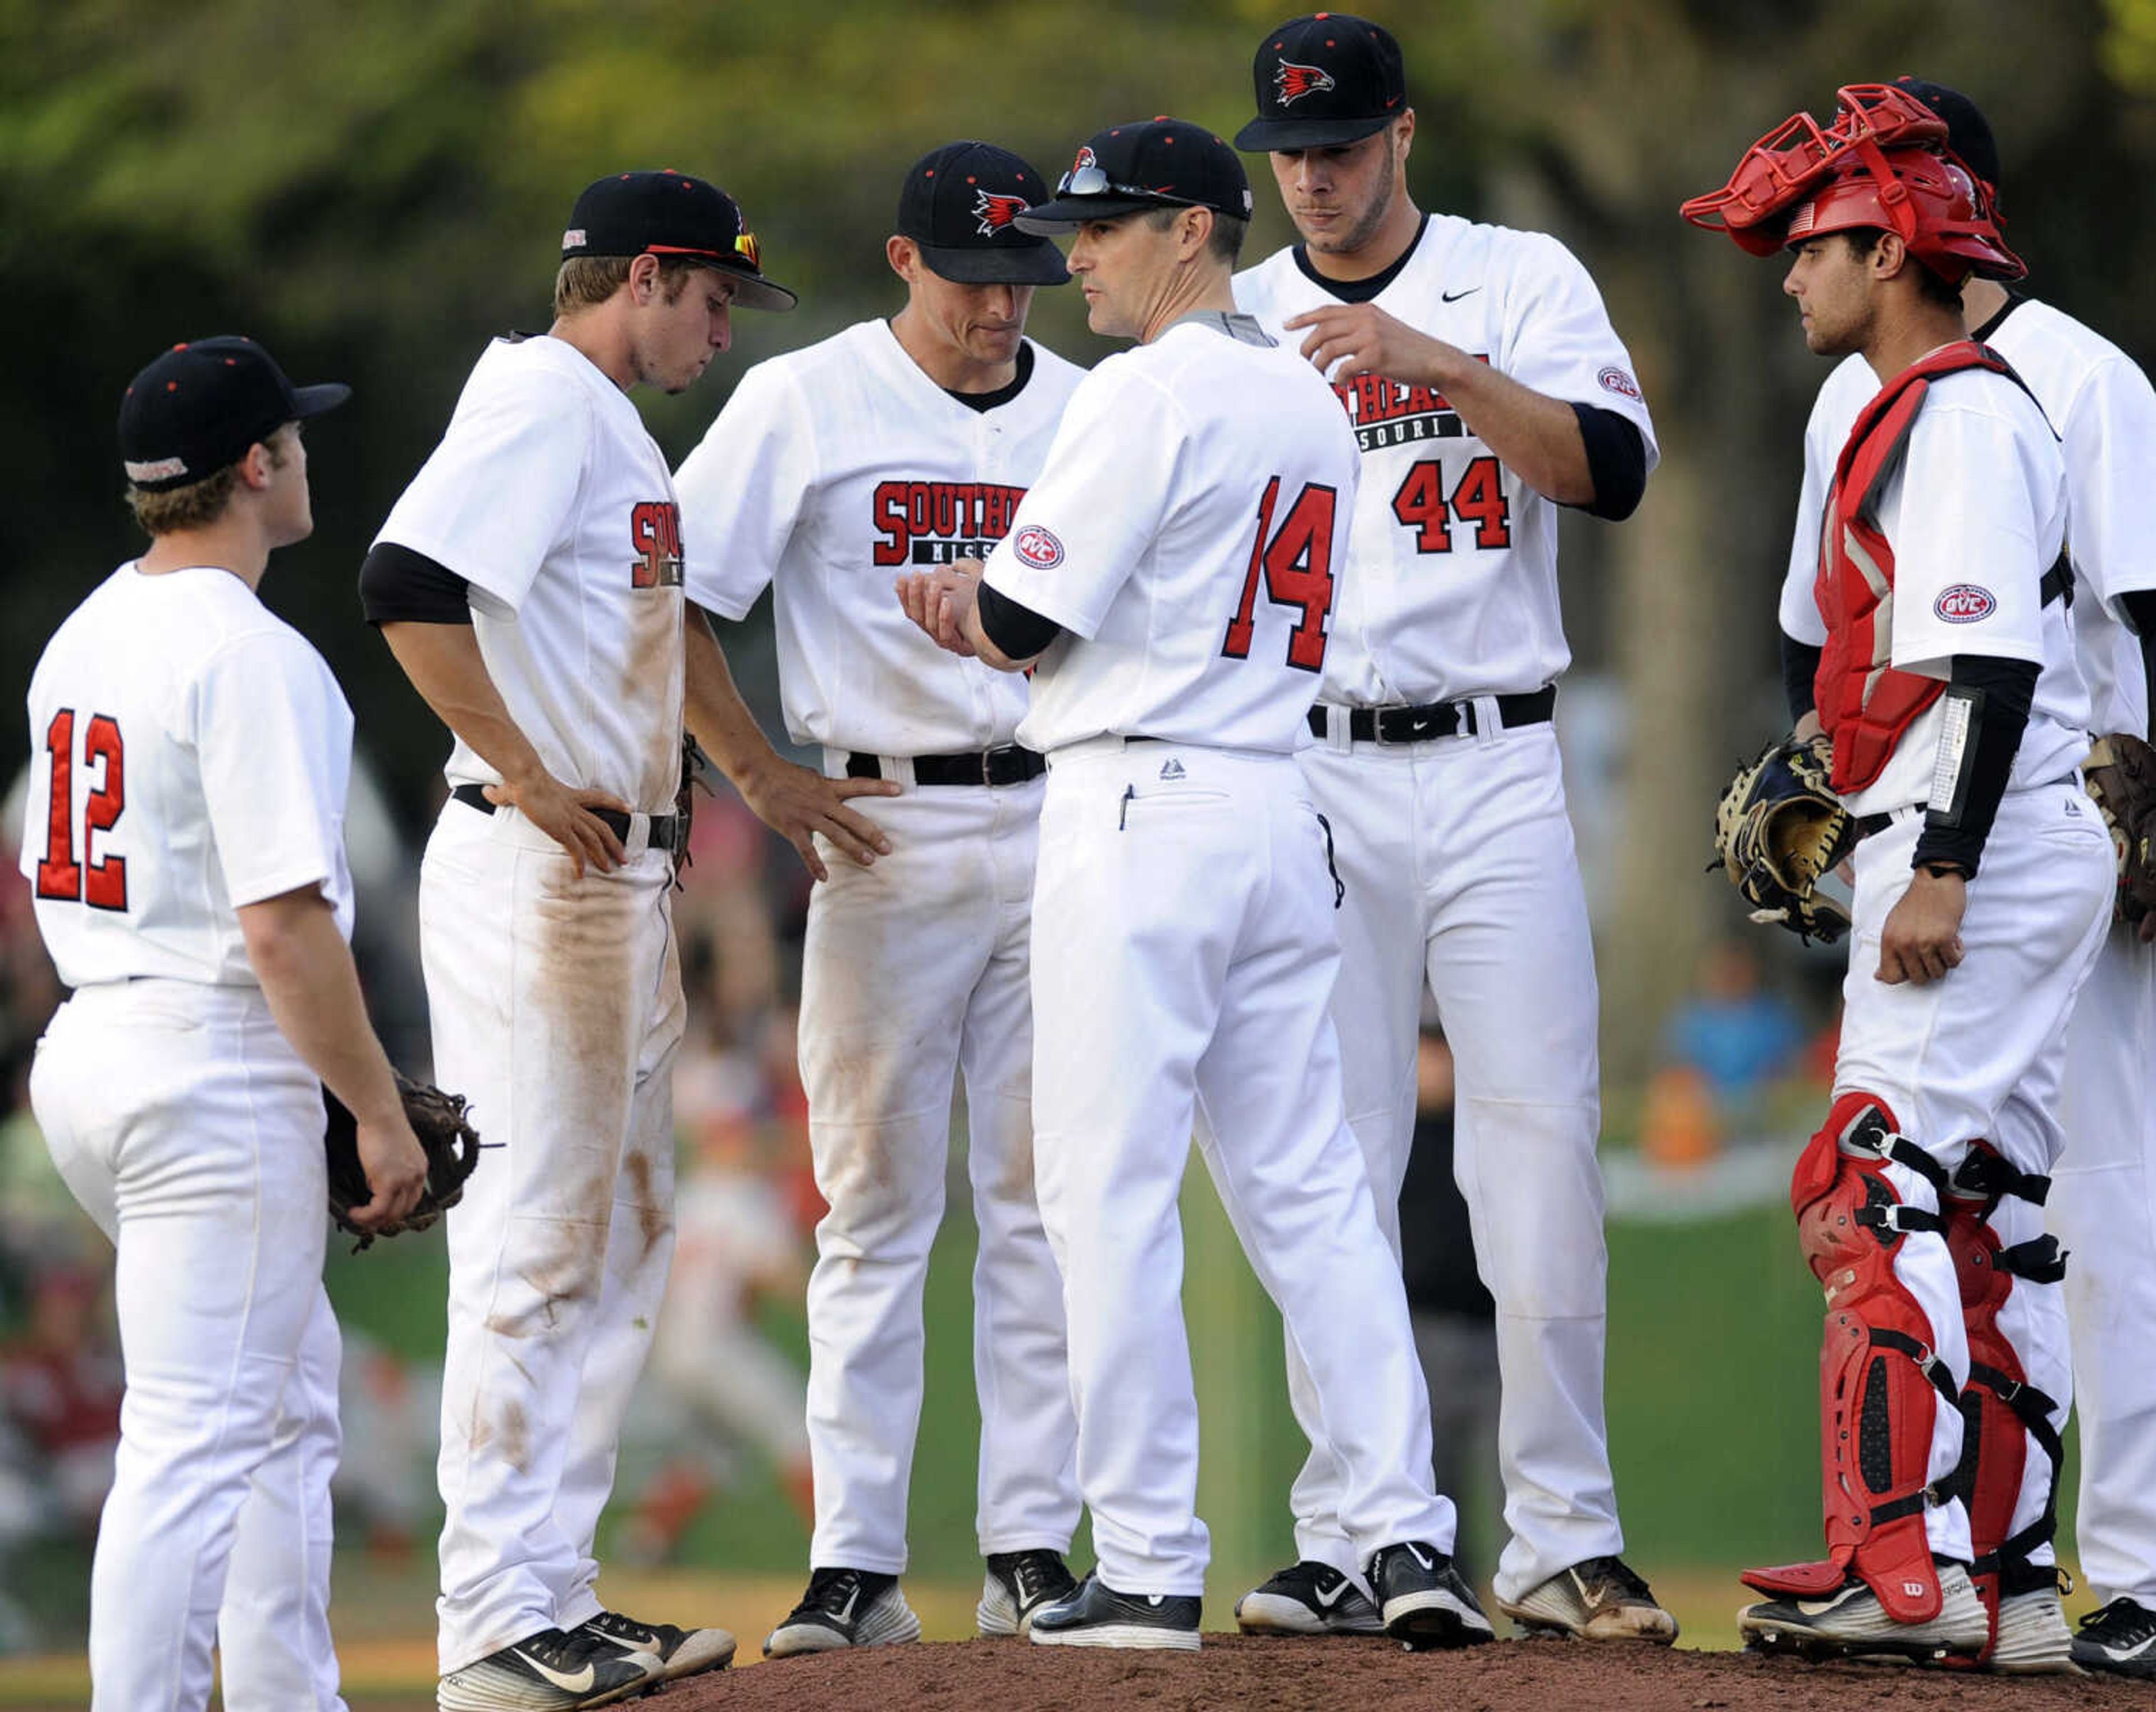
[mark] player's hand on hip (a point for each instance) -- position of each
(939, 602)
(396, 1167)
(565, 817)
(1922, 939)
(797, 804)
(1348, 339)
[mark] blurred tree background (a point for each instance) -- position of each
(376, 189)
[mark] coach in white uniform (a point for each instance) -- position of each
(1947, 685)
(185, 842)
(528, 581)
(898, 443)
(1173, 571)
(2102, 1202)
(1485, 389)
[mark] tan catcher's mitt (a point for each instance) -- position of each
(2121, 775)
(1777, 828)
(444, 1135)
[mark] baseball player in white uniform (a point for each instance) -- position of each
(1947, 682)
(1173, 571)
(901, 442)
(528, 581)
(1485, 388)
(2102, 1201)
(186, 850)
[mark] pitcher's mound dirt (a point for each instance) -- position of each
(1343, 1675)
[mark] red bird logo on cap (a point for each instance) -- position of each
(1085, 158)
(1295, 81)
(996, 212)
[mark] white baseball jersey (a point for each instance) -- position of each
(191, 752)
(831, 472)
(1452, 584)
(549, 498)
(1192, 548)
(1975, 509)
(2105, 412)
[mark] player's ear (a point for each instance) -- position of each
(643, 279)
(1403, 135)
(903, 254)
(1889, 255)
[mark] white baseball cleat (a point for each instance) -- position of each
(2032, 1638)
(1849, 1622)
(1598, 1599)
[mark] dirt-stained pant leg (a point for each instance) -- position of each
(639, 1253)
(895, 956)
(542, 988)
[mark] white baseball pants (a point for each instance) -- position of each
(914, 971)
(2103, 1208)
(191, 1133)
(1458, 859)
(557, 1010)
(1183, 950)
(1978, 1054)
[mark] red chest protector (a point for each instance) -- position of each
(1864, 702)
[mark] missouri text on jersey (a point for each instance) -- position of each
(1391, 413)
(934, 522)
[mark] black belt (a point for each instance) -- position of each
(1009, 765)
(1435, 718)
(660, 838)
(1867, 824)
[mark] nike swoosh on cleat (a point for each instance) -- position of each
(2133, 1652)
(581, 1683)
(1415, 1552)
(1326, 1601)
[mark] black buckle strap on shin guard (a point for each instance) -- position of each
(2040, 1259)
(1869, 1134)
(2034, 1409)
(1927, 1364)
(1986, 1175)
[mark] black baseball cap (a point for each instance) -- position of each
(961, 204)
(1968, 132)
(670, 213)
(202, 404)
(1152, 163)
(1327, 79)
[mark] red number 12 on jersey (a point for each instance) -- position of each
(103, 884)
(1296, 561)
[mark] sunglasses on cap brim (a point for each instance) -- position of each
(1093, 181)
(745, 249)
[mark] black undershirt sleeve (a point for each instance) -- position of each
(1018, 632)
(1616, 462)
(1986, 706)
(2140, 607)
(397, 586)
(1800, 670)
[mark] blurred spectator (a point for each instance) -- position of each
(1454, 1318)
(1724, 1049)
(391, 1411)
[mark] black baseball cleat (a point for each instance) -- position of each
(1095, 1615)
(1422, 1599)
(2120, 1639)
(1307, 1598)
(680, 1651)
(845, 1607)
(1018, 1584)
(549, 1672)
